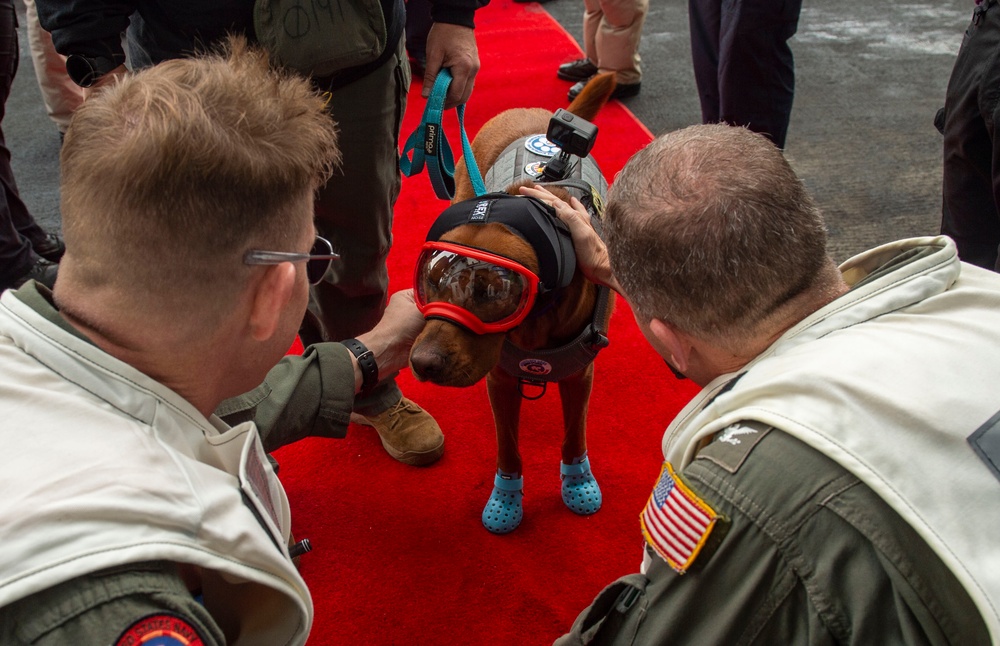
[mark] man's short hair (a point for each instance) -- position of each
(708, 228)
(171, 174)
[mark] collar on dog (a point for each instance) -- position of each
(429, 143)
(531, 219)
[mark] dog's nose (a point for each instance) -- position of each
(427, 364)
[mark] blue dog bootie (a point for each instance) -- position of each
(579, 488)
(503, 510)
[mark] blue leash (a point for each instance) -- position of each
(429, 146)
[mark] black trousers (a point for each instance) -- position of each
(971, 181)
(742, 62)
(17, 227)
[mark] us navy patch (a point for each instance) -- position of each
(986, 443)
(733, 444)
(541, 146)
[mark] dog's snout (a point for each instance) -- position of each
(427, 363)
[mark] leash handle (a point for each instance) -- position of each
(428, 145)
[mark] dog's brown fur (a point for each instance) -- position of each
(449, 355)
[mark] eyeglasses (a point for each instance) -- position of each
(317, 260)
(478, 290)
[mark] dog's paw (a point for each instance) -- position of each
(503, 510)
(580, 491)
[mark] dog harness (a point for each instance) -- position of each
(525, 159)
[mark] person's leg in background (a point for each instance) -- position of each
(582, 69)
(616, 39)
(592, 17)
(611, 33)
(18, 229)
(704, 19)
(756, 70)
(60, 95)
(354, 211)
(745, 44)
(971, 161)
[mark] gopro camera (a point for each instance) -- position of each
(574, 136)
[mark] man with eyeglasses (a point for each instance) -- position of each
(131, 512)
(354, 208)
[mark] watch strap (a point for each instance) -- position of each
(366, 361)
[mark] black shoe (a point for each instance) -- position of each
(42, 271)
(578, 70)
(622, 90)
(51, 248)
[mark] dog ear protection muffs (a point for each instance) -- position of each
(531, 219)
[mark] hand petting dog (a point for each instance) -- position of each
(591, 252)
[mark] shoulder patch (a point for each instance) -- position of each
(160, 630)
(731, 446)
(677, 523)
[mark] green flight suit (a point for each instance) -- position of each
(810, 555)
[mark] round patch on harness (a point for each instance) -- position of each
(534, 170)
(535, 367)
(539, 145)
(160, 630)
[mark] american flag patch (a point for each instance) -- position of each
(676, 522)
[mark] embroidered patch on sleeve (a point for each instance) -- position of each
(160, 630)
(676, 522)
(733, 445)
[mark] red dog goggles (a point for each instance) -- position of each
(481, 291)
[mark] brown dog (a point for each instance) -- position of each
(452, 354)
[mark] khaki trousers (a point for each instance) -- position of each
(611, 33)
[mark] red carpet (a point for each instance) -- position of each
(400, 555)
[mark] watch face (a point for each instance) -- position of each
(86, 70)
(81, 70)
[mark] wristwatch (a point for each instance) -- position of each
(86, 70)
(366, 361)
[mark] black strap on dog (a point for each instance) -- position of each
(537, 368)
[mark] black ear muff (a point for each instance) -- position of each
(533, 220)
(560, 242)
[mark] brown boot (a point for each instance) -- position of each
(408, 433)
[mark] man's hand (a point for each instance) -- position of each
(591, 253)
(391, 338)
(454, 47)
